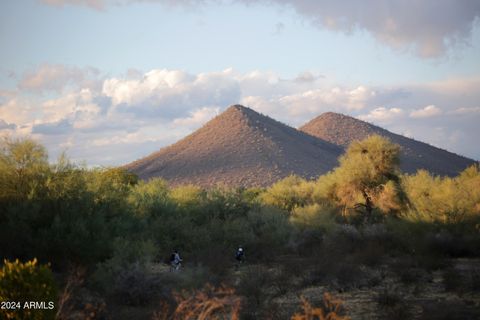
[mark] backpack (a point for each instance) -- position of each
(172, 257)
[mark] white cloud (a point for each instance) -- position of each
(169, 93)
(142, 112)
(466, 111)
(56, 77)
(17, 110)
(382, 114)
(197, 117)
(428, 111)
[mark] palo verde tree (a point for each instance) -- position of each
(23, 164)
(369, 177)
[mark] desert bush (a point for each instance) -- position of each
(255, 285)
(271, 232)
(25, 282)
(215, 303)
(188, 197)
(453, 243)
(133, 287)
(289, 193)
(391, 304)
(345, 239)
(409, 271)
(444, 199)
(331, 309)
(349, 275)
(151, 198)
(66, 301)
(314, 216)
(389, 296)
(448, 309)
(370, 254)
(127, 254)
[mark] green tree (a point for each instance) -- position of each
(444, 199)
(369, 177)
(23, 168)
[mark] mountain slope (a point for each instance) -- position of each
(341, 130)
(240, 147)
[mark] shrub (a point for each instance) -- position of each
(25, 282)
(133, 287)
(288, 193)
(150, 198)
(314, 216)
(331, 309)
(208, 303)
(271, 231)
(127, 254)
(255, 284)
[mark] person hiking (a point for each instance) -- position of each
(175, 261)
(240, 256)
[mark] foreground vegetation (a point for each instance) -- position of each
(106, 235)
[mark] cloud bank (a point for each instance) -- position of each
(114, 120)
(428, 28)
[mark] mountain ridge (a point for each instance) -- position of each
(239, 147)
(341, 130)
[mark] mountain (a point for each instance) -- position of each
(341, 130)
(239, 147)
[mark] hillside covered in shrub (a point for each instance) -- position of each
(106, 235)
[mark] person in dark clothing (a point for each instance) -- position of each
(240, 255)
(175, 261)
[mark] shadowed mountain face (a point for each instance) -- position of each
(240, 147)
(341, 130)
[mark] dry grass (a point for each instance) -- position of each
(222, 303)
(74, 281)
(210, 303)
(332, 309)
(69, 296)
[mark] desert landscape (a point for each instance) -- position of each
(239, 160)
(329, 230)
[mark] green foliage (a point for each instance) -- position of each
(25, 282)
(117, 226)
(59, 212)
(150, 199)
(368, 177)
(188, 197)
(314, 216)
(127, 254)
(444, 199)
(271, 231)
(288, 193)
(23, 168)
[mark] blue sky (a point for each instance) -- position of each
(99, 77)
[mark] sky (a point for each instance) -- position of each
(110, 81)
